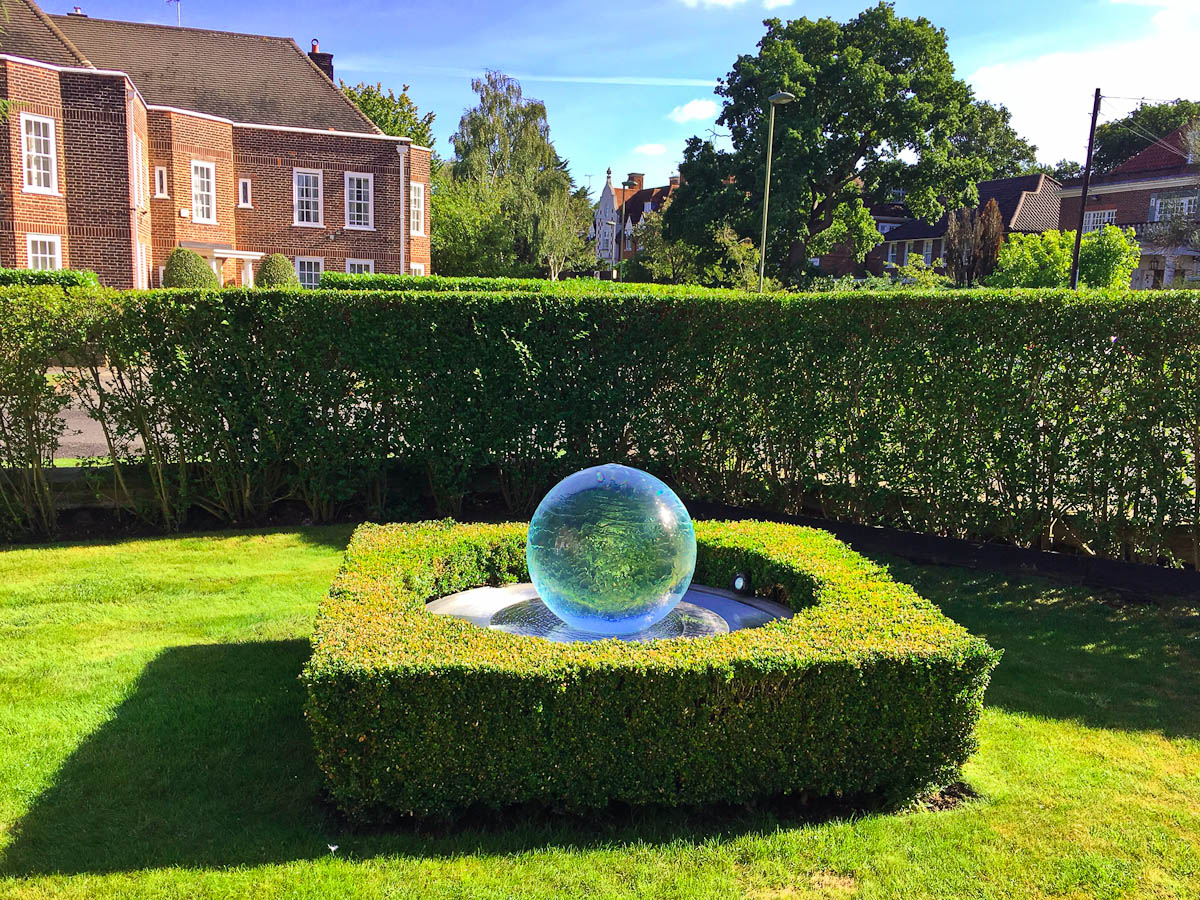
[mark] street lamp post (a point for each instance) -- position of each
(776, 100)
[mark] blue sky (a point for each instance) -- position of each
(626, 83)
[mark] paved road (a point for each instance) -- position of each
(82, 435)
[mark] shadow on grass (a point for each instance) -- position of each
(1069, 654)
(209, 763)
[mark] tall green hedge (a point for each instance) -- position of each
(1026, 416)
(63, 278)
(866, 690)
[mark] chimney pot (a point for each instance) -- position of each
(323, 61)
(316, 47)
(77, 12)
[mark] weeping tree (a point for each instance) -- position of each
(972, 243)
(504, 153)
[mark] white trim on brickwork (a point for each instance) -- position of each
(360, 265)
(1173, 181)
(160, 183)
(416, 197)
(320, 268)
(51, 137)
(245, 197)
(211, 218)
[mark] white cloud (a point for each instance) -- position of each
(650, 149)
(772, 4)
(694, 3)
(1051, 95)
(693, 110)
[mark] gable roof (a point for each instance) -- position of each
(27, 31)
(633, 206)
(243, 77)
(1167, 156)
(1027, 203)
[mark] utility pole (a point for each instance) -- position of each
(1083, 194)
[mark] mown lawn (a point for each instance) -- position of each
(151, 745)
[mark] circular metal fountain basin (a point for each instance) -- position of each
(516, 608)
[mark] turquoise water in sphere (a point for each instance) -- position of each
(611, 550)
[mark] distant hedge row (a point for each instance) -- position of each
(63, 278)
(866, 690)
(572, 287)
(1026, 416)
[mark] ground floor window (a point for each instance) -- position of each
(1098, 218)
(416, 268)
(309, 269)
(360, 266)
(44, 250)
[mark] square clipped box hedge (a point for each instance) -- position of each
(867, 690)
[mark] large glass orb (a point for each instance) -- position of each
(611, 550)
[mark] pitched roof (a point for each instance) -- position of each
(1027, 203)
(244, 77)
(633, 206)
(1162, 159)
(27, 31)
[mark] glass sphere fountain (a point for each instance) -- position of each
(611, 550)
(611, 553)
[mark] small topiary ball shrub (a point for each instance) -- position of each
(276, 270)
(867, 690)
(188, 269)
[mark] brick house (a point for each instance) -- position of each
(1141, 192)
(624, 208)
(840, 260)
(127, 140)
(1028, 203)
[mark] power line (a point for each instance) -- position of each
(1146, 135)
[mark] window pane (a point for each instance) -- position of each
(38, 136)
(358, 201)
(309, 272)
(308, 198)
(203, 201)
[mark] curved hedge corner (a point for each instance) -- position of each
(868, 689)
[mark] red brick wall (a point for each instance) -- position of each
(1132, 207)
(418, 170)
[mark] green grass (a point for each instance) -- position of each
(151, 745)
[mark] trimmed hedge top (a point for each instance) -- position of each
(568, 287)
(846, 607)
(64, 278)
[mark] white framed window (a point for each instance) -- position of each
(162, 271)
(309, 270)
(141, 187)
(1165, 206)
(416, 209)
(892, 248)
(244, 193)
(416, 268)
(160, 181)
(204, 193)
(44, 251)
(360, 201)
(927, 252)
(360, 267)
(1098, 218)
(40, 152)
(308, 198)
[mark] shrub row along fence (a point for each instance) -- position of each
(1030, 417)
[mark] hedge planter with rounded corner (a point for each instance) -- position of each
(868, 690)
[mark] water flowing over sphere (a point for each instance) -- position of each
(611, 550)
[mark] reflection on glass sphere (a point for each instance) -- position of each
(611, 550)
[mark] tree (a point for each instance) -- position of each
(564, 227)
(877, 104)
(986, 133)
(1063, 170)
(658, 258)
(1120, 139)
(188, 269)
(1107, 258)
(973, 243)
(470, 235)
(394, 114)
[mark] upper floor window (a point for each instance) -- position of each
(360, 211)
(1098, 218)
(244, 193)
(416, 209)
(307, 197)
(141, 186)
(160, 181)
(204, 193)
(40, 151)
(44, 251)
(360, 267)
(309, 269)
(1175, 203)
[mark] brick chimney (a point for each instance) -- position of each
(673, 182)
(638, 179)
(324, 61)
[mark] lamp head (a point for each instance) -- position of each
(781, 98)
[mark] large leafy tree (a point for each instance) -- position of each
(509, 189)
(877, 106)
(1120, 139)
(394, 114)
(986, 133)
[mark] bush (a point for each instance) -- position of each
(867, 690)
(63, 278)
(276, 270)
(188, 269)
(1107, 258)
(1038, 418)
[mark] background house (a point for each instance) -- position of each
(127, 140)
(1143, 192)
(624, 208)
